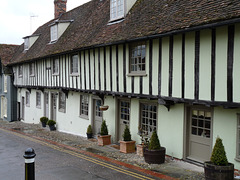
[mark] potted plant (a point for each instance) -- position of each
(144, 142)
(154, 153)
(89, 132)
(127, 145)
(104, 138)
(103, 107)
(51, 124)
(44, 121)
(218, 167)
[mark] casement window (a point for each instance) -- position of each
(27, 98)
(31, 69)
(124, 112)
(38, 99)
(238, 138)
(5, 83)
(137, 58)
(148, 118)
(74, 64)
(84, 106)
(55, 66)
(62, 102)
(54, 33)
(116, 9)
(26, 44)
(20, 70)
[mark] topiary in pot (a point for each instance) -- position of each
(89, 132)
(44, 121)
(218, 167)
(127, 145)
(104, 138)
(51, 124)
(154, 153)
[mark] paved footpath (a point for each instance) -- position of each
(54, 161)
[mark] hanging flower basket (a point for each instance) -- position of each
(104, 108)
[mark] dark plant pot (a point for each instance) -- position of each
(44, 124)
(89, 135)
(154, 156)
(214, 172)
(52, 128)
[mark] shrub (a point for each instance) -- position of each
(104, 129)
(44, 119)
(51, 122)
(154, 143)
(218, 156)
(89, 129)
(126, 134)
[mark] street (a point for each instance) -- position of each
(53, 162)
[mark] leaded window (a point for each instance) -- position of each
(125, 112)
(54, 34)
(148, 118)
(31, 69)
(74, 64)
(84, 105)
(116, 9)
(137, 57)
(20, 70)
(55, 66)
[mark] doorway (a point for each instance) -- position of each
(97, 116)
(46, 104)
(23, 108)
(53, 114)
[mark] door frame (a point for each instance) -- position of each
(51, 105)
(94, 98)
(46, 114)
(186, 135)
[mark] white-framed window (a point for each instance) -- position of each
(137, 57)
(20, 70)
(54, 32)
(74, 64)
(124, 112)
(26, 44)
(148, 118)
(84, 106)
(55, 66)
(5, 83)
(32, 69)
(27, 98)
(238, 138)
(38, 99)
(4, 107)
(116, 9)
(62, 102)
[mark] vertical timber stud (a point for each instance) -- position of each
(160, 67)
(196, 73)
(170, 67)
(29, 164)
(150, 65)
(183, 65)
(213, 64)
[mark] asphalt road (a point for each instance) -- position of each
(55, 163)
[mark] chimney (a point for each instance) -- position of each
(60, 7)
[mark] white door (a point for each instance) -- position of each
(97, 116)
(123, 117)
(23, 108)
(200, 134)
(53, 106)
(46, 104)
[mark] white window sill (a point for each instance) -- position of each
(137, 74)
(56, 74)
(39, 107)
(62, 110)
(84, 117)
(76, 75)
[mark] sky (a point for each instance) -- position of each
(20, 18)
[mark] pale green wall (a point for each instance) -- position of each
(107, 69)
(155, 63)
(114, 71)
(205, 65)
(221, 64)
(146, 78)
(236, 65)
(120, 66)
(134, 120)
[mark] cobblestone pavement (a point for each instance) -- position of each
(174, 168)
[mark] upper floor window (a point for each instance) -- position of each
(116, 9)
(20, 70)
(54, 33)
(74, 64)
(26, 43)
(84, 106)
(62, 102)
(138, 57)
(38, 99)
(5, 83)
(27, 98)
(55, 66)
(31, 69)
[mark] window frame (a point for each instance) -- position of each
(134, 60)
(62, 102)
(127, 111)
(26, 44)
(74, 67)
(114, 6)
(141, 118)
(20, 70)
(55, 65)
(32, 69)
(5, 83)
(27, 98)
(54, 33)
(38, 99)
(84, 103)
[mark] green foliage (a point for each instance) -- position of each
(44, 119)
(104, 129)
(154, 143)
(127, 134)
(51, 122)
(89, 129)
(218, 154)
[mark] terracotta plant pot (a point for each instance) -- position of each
(103, 108)
(155, 156)
(140, 149)
(218, 172)
(127, 146)
(104, 140)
